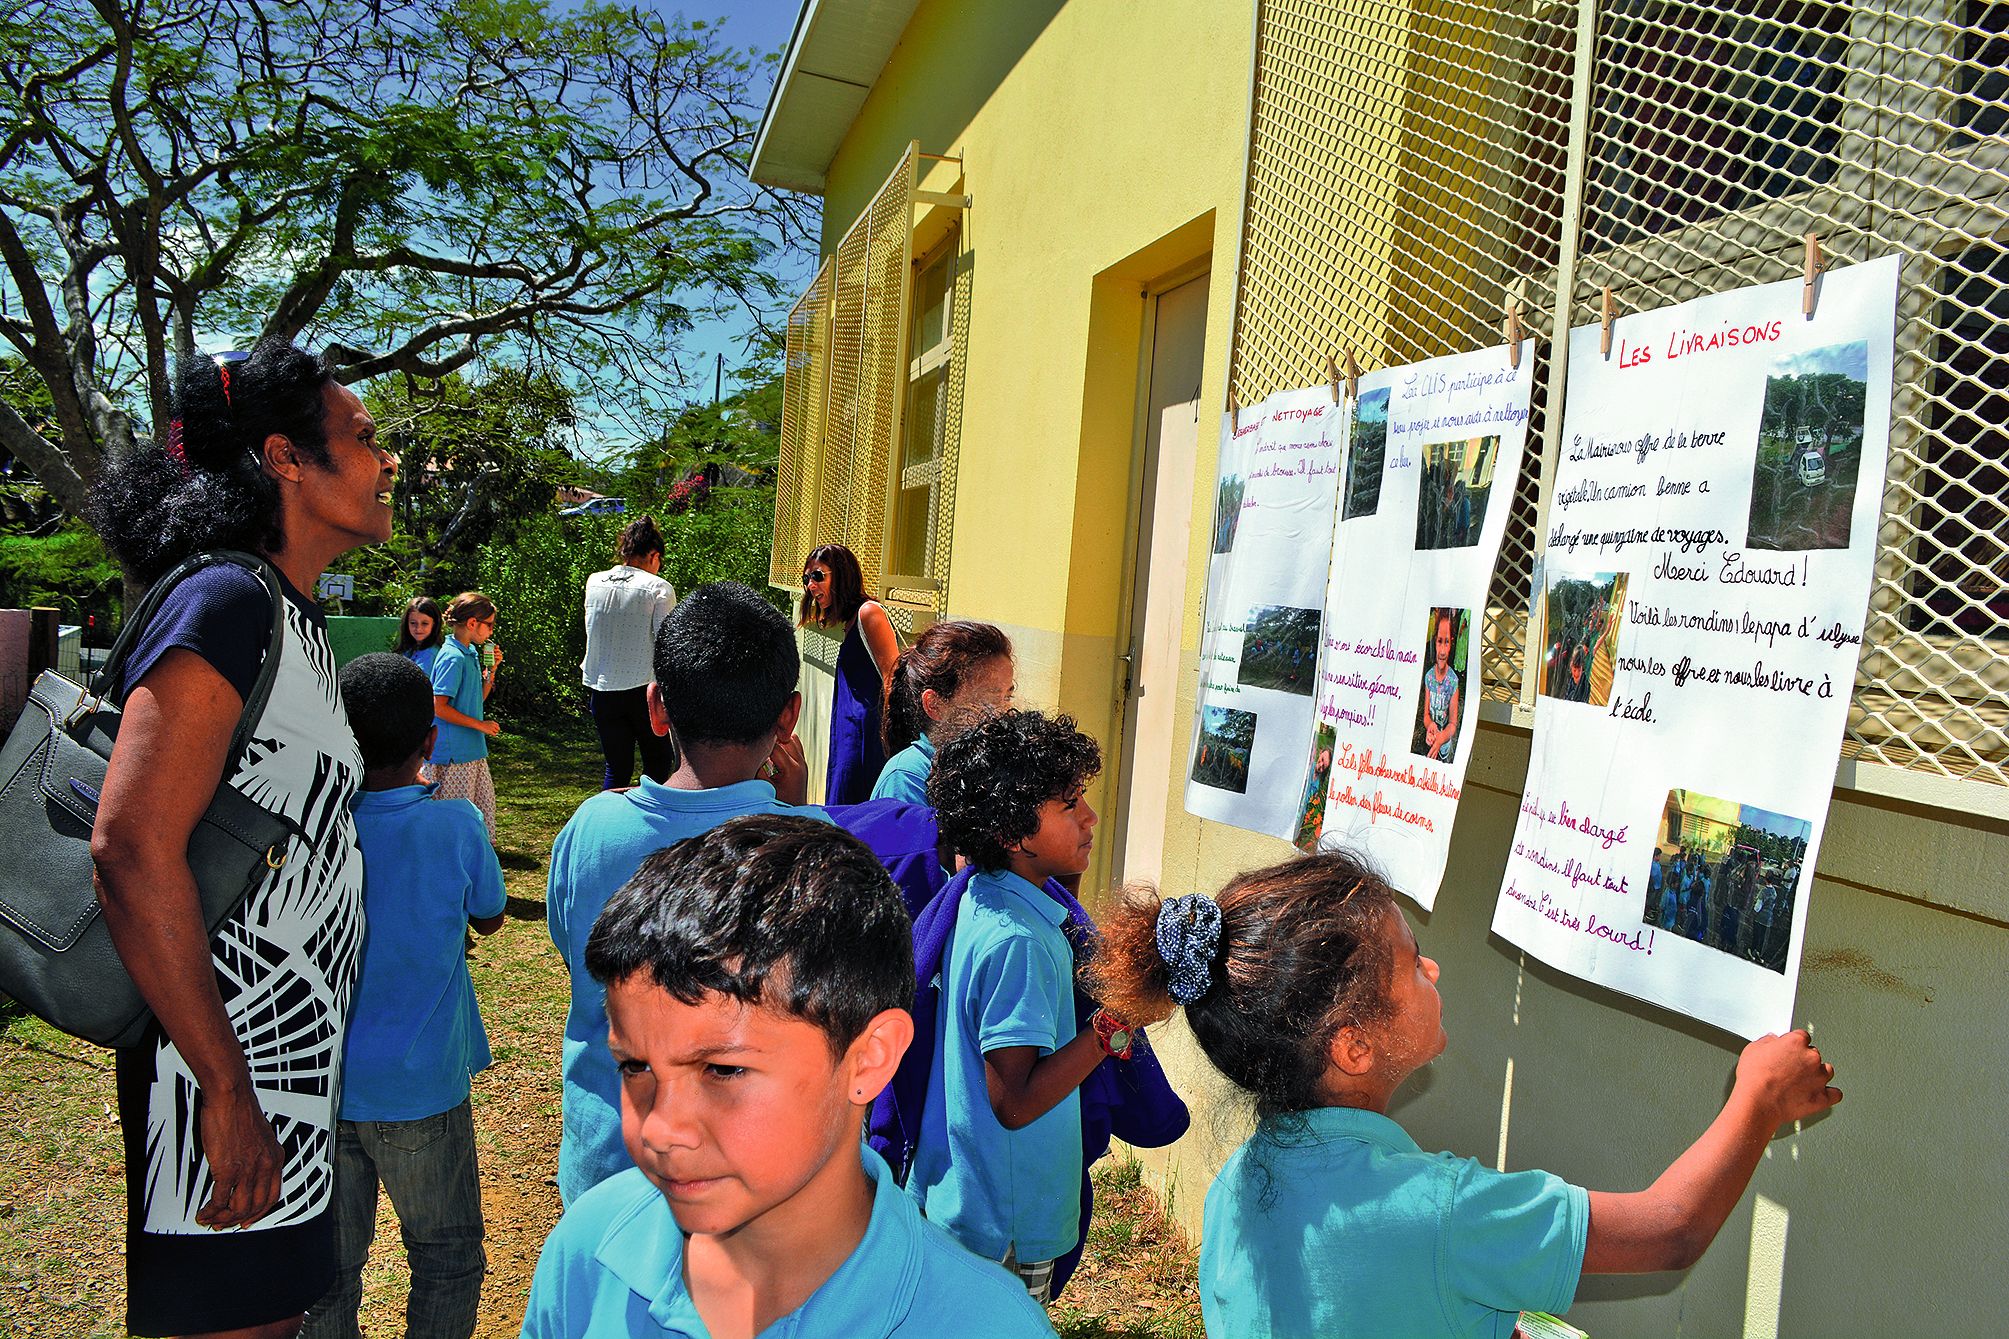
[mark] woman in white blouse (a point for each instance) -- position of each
(624, 606)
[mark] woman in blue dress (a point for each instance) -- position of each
(833, 596)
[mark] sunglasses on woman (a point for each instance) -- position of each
(815, 578)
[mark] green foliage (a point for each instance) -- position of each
(68, 569)
(729, 538)
(538, 581)
(477, 461)
(410, 184)
(742, 431)
(24, 504)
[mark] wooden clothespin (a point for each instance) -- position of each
(1810, 273)
(1514, 333)
(1234, 411)
(1610, 311)
(1332, 376)
(1352, 375)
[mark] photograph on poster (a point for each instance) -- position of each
(1365, 454)
(1810, 438)
(1222, 760)
(1457, 481)
(1227, 513)
(1724, 874)
(1580, 620)
(1311, 809)
(1440, 707)
(1280, 649)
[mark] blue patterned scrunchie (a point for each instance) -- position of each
(1189, 933)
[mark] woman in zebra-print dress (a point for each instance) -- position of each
(229, 1105)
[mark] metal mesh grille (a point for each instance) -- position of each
(847, 414)
(1721, 133)
(805, 379)
(1408, 170)
(1406, 180)
(949, 450)
(924, 508)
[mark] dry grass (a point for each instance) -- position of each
(1137, 1276)
(62, 1208)
(62, 1199)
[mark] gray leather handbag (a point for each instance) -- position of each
(56, 956)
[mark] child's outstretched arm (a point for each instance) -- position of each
(1671, 1223)
(1024, 1085)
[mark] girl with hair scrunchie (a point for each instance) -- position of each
(1303, 985)
(1188, 934)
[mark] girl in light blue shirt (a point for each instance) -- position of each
(951, 676)
(421, 631)
(1304, 985)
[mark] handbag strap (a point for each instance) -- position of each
(268, 669)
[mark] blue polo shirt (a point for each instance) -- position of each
(456, 676)
(1333, 1223)
(415, 1034)
(1007, 980)
(423, 657)
(600, 848)
(614, 1268)
(905, 775)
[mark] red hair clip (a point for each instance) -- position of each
(176, 451)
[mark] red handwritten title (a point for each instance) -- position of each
(1687, 343)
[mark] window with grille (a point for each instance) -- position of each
(920, 486)
(1415, 167)
(868, 431)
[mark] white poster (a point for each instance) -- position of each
(1434, 452)
(1274, 499)
(1698, 620)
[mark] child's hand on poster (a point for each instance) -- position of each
(1785, 1078)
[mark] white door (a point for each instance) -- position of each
(1177, 324)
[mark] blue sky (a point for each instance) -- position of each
(764, 25)
(1850, 359)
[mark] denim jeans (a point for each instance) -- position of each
(428, 1168)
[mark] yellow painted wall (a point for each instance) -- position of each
(1103, 148)
(1090, 131)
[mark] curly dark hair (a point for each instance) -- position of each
(989, 782)
(389, 703)
(153, 509)
(1304, 951)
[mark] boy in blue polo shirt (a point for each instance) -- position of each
(726, 668)
(415, 1036)
(998, 1158)
(757, 981)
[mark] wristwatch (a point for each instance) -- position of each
(1116, 1037)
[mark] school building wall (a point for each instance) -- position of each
(1103, 146)
(1101, 153)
